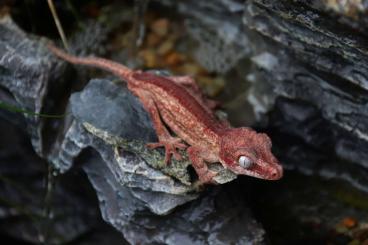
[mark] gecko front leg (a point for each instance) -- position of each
(165, 139)
(200, 166)
(186, 81)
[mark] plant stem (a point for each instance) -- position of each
(58, 24)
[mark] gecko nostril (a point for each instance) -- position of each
(275, 174)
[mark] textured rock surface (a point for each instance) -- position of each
(310, 57)
(111, 113)
(208, 220)
(314, 61)
(131, 191)
(22, 191)
(216, 27)
(26, 72)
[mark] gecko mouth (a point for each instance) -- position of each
(268, 171)
(263, 172)
(271, 173)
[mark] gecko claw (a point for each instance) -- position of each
(207, 178)
(171, 145)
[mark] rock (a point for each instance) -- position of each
(113, 114)
(303, 57)
(131, 186)
(28, 75)
(308, 152)
(74, 211)
(217, 218)
(160, 27)
(150, 58)
(153, 40)
(221, 41)
(132, 183)
(316, 208)
(165, 47)
(174, 59)
(299, 52)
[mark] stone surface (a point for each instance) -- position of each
(26, 72)
(221, 40)
(23, 206)
(316, 208)
(304, 56)
(111, 113)
(131, 187)
(208, 220)
(302, 53)
(308, 152)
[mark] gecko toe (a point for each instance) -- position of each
(154, 145)
(177, 156)
(207, 178)
(170, 145)
(167, 157)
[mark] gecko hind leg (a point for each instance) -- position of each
(169, 142)
(205, 175)
(190, 84)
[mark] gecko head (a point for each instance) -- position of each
(246, 152)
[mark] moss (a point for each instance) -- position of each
(156, 159)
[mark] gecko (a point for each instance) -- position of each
(183, 119)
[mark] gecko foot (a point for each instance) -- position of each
(170, 144)
(206, 178)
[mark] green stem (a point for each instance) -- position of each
(20, 110)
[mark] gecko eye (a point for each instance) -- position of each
(244, 162)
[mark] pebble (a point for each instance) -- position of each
(213, 86)
(190, 69)
(160, 27)
(150, 58)
(153, 40)
(165, 48)
(349, 222)
(174, 59)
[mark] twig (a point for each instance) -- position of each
(58, 24)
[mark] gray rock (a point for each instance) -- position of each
(108, 113)
(216, 28)
(304, 57)
(131, 190)
(305, 51)
(73, 211)
(113, 114)
(28, 74)
(311, 154)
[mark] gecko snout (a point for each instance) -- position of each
(276, 173)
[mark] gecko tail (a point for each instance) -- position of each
(108, 65)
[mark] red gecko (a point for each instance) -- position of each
(177, 102)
